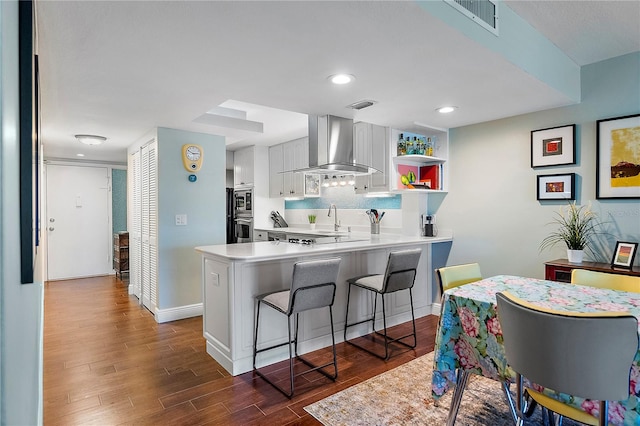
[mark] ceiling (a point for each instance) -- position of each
(120, 69)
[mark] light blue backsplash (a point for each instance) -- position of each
(119, 200)
(344, 198)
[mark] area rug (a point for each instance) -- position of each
(402, 396)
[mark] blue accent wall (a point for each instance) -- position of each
(119, 200)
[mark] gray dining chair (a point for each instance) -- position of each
(400, 274)
(588, 355)
(313, 286)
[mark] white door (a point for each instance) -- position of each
(78, 222)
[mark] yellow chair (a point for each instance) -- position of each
(454, 276)
(588, 355)
(604, 280)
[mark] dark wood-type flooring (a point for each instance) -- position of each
(107, 362)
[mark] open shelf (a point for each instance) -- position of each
(417, 160)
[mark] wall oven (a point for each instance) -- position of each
(244, 229)
(243, 202)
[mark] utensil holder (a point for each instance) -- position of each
(375, 228)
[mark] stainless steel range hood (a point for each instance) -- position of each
(331, 147)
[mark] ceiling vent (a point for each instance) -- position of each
(482, 12)
(361, 104)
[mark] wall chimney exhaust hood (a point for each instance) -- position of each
(331, 147)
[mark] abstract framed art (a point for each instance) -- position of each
(618, 157)
(556, 187)
(555, 146)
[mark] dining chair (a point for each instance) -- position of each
(457, 275)
(588, 355)
(313, 286)
(400, 274)
(604, 280)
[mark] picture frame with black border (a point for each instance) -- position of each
(560, 186)
(618, 158)
(555, 146)
(624, 255)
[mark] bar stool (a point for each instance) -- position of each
(313, 286)
(399, 275)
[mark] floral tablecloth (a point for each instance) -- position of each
(469, 334)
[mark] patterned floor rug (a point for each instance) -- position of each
(402, 396)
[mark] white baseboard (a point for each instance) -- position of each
(436, 309)
(178, 313)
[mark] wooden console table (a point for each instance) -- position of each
(560, 269)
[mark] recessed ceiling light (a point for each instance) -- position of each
(341, 78)
(446, 109)
(80, 155)
(91, 139)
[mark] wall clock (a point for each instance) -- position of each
(192, 157)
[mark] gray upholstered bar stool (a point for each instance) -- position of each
(313, 286)
(399, 275)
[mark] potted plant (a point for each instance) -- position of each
(576, 226)
(312, 221)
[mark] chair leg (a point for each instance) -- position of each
(604, 413)
(255, 337)
(462, 376)
(387, 340)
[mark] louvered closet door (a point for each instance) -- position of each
(153, 228)
(135, 234)
(149, 226)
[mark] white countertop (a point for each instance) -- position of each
(268, 250)
(301, 230)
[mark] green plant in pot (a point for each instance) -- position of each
(312, 220)
(576, 225)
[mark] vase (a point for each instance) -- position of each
(312, 225)
(575, 256)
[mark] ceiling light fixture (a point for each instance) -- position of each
(91, 139)
(446, 109)
(80, 155)
(341, 78)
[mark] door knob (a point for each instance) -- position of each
(52, 220)
(51, 228)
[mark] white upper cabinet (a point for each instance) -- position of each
(371, 148)
(243, 167)
(276, 167)
(283, 160)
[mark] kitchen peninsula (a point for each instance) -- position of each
(232, 275)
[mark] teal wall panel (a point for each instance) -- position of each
(119, 200)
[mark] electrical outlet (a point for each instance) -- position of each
(181, 219)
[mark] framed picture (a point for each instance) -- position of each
(556, 187)
(624, 254)
(311, 185)
(555, 146)
(618, 157)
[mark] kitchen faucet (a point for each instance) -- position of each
(336, 223)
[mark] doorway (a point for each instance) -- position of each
(78, 221)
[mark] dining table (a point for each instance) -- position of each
(469, 338)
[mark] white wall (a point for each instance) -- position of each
(492, 206)
(20, 304)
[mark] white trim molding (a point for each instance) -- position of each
(178, 313)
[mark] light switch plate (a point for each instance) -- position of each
(181, 219)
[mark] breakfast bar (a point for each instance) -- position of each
(233, 274)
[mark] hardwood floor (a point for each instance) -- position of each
(107, 362)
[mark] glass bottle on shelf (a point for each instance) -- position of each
(420, 147)
(402, 147)
(429, 149)
(410, 146)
